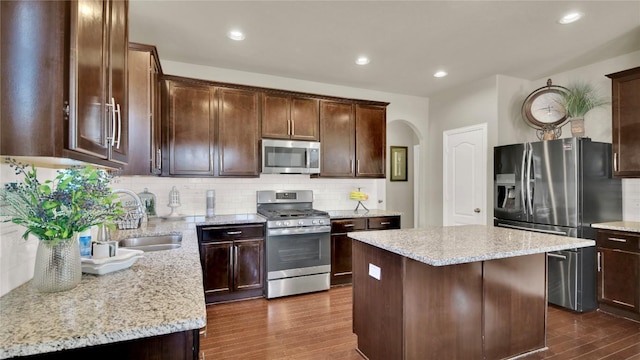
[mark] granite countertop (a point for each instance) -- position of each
(631, 226)
(448, 245)
(346, 214)
(160, 294)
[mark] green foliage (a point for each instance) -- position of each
(78, 198)
(580, 99)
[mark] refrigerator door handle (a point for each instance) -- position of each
(522, 177)
(529, 192)
(532, 229)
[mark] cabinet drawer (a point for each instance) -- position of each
(347, 225)
(383, 223)
(618, 240)
(236, 232)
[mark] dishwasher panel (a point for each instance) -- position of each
(563, 278)
(571, 279)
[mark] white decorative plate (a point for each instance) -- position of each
(124, 259)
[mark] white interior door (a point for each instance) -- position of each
(464, 175)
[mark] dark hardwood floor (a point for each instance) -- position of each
(318, 326)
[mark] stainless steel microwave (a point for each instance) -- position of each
(290, 157)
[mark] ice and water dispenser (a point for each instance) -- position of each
(505, 192)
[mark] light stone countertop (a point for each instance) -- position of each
(448, 245)
(347, 214)
(631, 226)
(160, 294)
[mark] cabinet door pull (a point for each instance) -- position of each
(293, 127)
(618, 239)
(289, 127)
(348, 225)
(117, 142)
(385, 223)
(112, 138)
(599, 261)
(235, 255)
(615, 161)
(357, 167)
(234, 232)
(159, 159)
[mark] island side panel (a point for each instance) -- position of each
(443, 311)
(515, 305)
(377, 304)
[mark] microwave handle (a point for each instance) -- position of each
(308, 158)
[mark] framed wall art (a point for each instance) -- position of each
(399, 164)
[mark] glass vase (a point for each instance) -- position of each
(58, 266)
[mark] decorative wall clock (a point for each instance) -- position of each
(543, 111)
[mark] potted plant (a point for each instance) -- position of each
(578, 99)
(54, 211)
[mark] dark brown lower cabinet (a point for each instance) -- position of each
(232, 259)
(619, 273)
(491, 309)
(182, 345)
(341, 243)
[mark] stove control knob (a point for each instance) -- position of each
(278, 223)
(286, 223)
(315, 221)
(300, 222)
(321, 221)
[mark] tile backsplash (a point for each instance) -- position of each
(631, 199)
(238, 195)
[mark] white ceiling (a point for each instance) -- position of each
(407, 41)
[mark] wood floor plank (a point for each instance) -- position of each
(318, 326)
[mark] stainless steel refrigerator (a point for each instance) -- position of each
(559, 187)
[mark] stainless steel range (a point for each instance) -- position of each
(298, 243)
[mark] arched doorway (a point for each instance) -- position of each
(402, 195)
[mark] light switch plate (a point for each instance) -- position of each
(374, 272)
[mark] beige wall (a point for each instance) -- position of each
(456, 108)
(497, 101)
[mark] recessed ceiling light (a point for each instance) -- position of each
(569, 18)
(362, 60)
(236, 35)
(440, 74)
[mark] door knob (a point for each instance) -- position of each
(476, 210)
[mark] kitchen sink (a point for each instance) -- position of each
(152, 243)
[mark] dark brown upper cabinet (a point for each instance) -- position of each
(337, 141)
(238, 132)
(371, 139)
(145, 154)
(209, 120)
(64, 81)
(353, 139)
(190, 129)
(211, 130)
(625, 89)
(290, 117)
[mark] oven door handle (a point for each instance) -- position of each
(300, 230)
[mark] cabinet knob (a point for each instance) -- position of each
(476, 210)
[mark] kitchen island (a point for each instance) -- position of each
(156, 305)
(466, 292)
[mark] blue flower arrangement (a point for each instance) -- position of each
(78, 198)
